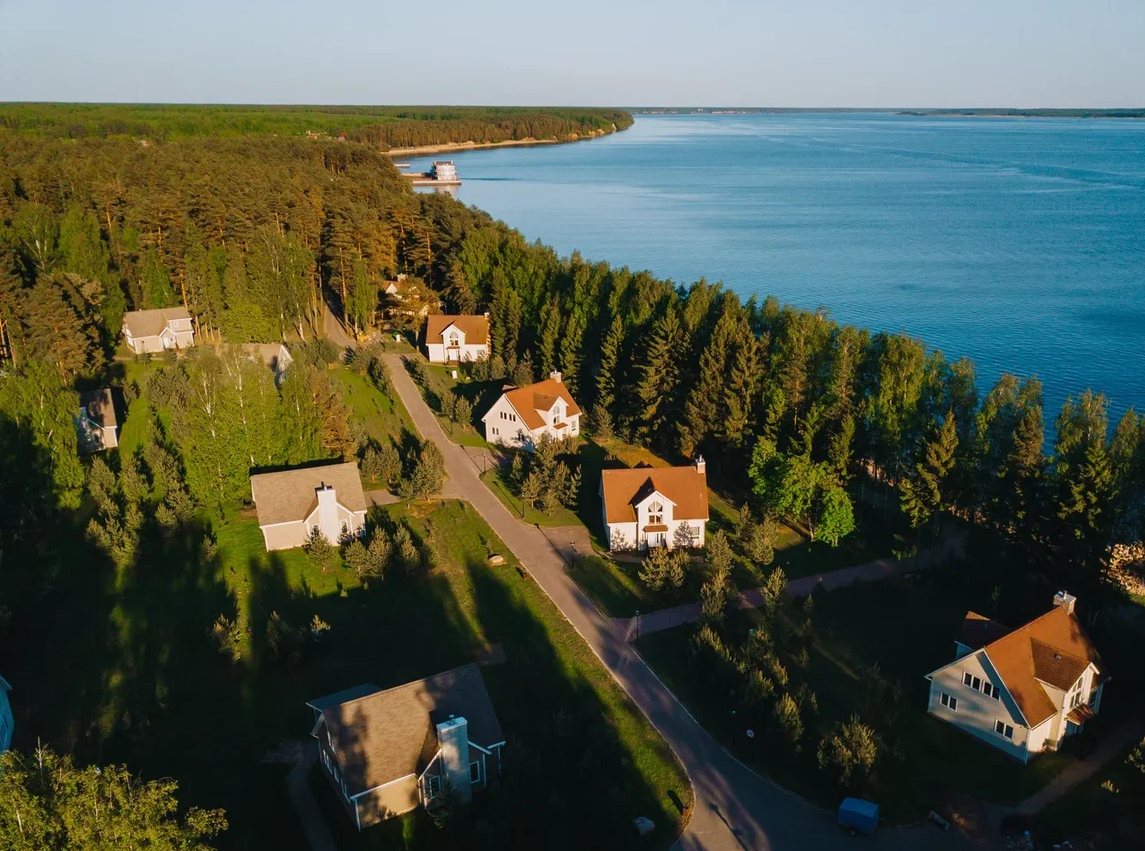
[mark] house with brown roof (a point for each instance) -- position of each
(655, 506)
(456, 339)
(293, 504)
(522, 414)
(389, 751)
(1021, 690)
(95, 421)
(158, 330)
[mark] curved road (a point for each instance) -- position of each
(735, 809)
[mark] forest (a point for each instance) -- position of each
(380, 127)
(791, 409)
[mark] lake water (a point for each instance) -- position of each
(1018, 243)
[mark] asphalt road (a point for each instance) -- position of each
(735, 809)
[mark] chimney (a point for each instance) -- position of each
(1066, 600)
(701, 465)
(453, 738)
(328, 513)
(555, 376)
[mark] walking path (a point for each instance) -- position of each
(313, 822)
(1110, 746)
(884, 568)
(735, 809)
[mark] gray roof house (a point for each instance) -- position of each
(95, 421)
(275, 355)
(293, 504)
(7, 724)
(158, 329)
(389, 751)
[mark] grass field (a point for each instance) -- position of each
(495, 481)
(906, 628)
(149, 688)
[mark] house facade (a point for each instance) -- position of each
(293, 504)
(96, 426)
(390, 751)
(158, 330)
(456, 339)
(523, 414)
(655, 506)
(275, 355)
(1023, 690)
(7, 723)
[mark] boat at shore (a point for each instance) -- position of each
(441, 173)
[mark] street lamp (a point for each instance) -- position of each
(637, 624)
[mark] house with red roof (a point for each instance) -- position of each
(522, 415)
(1021, 690)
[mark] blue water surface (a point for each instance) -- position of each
(1017, 242)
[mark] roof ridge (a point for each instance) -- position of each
(401, 686)
(1024, 628)
(1058, 649)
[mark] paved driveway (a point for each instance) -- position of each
(735, 809)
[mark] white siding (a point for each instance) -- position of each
(977, 713)
(503, 425)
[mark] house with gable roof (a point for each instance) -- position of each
(523, 414)
(456, 339)
(655, 506)
(1021, 690)
(293, 504)
(389, 751)
(158, 330)
(96, 425)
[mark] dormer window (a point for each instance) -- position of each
(453, 339)
(655, 514)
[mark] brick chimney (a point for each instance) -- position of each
(328, 512)
(701, 465)
(555, 376)
(1066, 600)
(453, 738)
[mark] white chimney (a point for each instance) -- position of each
(453, 738)
(555, 376)
(328, 513)
(1066, 600)
(701, 465)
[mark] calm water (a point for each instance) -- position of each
(1019, 243)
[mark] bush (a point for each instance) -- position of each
(786, 715)
(663, 569)
(849, 753)
(228, 637)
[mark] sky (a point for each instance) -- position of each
(821, 53)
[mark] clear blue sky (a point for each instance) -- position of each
(720, 52)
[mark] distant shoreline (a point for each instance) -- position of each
(982, 112)
(449, 147)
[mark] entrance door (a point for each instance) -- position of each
(655, 539)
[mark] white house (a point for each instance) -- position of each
(275, 355)
(294, 503)
(456, 339)
(522, 414)
(1021, 690)
(7, 724)
(655, 506)
(95, 421)
(159, 329)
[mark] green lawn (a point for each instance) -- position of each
(1106, 809)
(615, 587)
(481, 395)
(383, 415)
(495, 482)
(903, 626)
(147, 686)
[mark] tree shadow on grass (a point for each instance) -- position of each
(565, 757)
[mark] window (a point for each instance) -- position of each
(655, 514)
(474, 772)
(967, 679)
(977, 684)
(1003, 730)
(345, 528)
(432, 786)
(949, 701)
(991, 690)
(1076, 699)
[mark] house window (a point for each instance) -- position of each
(432, 786)
(1075, 700)
(990, 690)
(1003, 730)
(951, 702)
(967, 679)
(474, 772)
(655, 514)
(453, 339)
(977, 684)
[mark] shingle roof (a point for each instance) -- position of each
(686, 487)
(290, 495)
(531, 399)
(476, 328)
(392, 733)
(98, 406)
(978, 630)
(150, 323)
(1052, 648)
